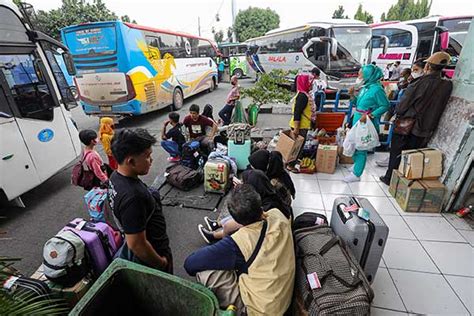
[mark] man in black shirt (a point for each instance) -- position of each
(136, 207)
(173, 140)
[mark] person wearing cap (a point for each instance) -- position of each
(424, 100)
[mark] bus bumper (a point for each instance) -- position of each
(132, 107)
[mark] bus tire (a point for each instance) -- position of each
(178, 99)
(213, 85)
(238, 73)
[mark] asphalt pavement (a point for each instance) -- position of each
(53, 204)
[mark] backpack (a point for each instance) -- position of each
(82, 177)
(329, 279)
(190, 155)
(64, 259)
(95, 202)
(183, 178)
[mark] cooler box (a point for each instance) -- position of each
(240, 153)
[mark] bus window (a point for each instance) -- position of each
(27, 86)
(396, 37)
(242, 50)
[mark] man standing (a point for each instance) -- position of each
(319, 86)
(254, 269)
(136, 207)
(425, 101)
(196, 125)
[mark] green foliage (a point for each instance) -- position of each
(405, 10)
(255, 22)
(363, 16)
(269, 89)
(339, 13)
(219, 36)
(74, 12)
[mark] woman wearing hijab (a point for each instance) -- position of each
(371, 103)
(272, 164)
(106, 133)
(300, 121)
(270, 200)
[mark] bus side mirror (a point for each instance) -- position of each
(443, 37)
(68, 61)
(331, 41)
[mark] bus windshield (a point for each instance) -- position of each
(353, 39)
(458, 28)
(93, 41)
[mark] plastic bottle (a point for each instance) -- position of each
(464, 211)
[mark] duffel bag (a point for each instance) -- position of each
(309, 219)
(329, 280)
(183, 178)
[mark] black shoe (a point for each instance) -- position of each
(211, 224)
(206, 235)
(385, 180)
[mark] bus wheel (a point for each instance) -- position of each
(213, 85)
(238, 73)
(178, 99)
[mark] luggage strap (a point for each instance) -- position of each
(259, 244)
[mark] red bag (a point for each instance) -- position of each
(80, 176)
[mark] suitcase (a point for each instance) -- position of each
(99, 240)
(216, 176)
(27, 287)
(240, 152)
(366, 238)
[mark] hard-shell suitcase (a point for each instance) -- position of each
(99, 240)
(366, 238)
(240, 152)
(216, 176)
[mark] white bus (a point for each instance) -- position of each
(411, 40)
(338, 47)
(37, 135)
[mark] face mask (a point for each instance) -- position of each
(416, 74)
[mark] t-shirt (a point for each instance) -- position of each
(176, 135)
(234, 95)
(94, 163)
(137, 209)
(197, 128)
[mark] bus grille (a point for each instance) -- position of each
(150, 93)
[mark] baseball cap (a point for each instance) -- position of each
(439, 58)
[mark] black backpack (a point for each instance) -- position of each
(190, 155)
(183, 178)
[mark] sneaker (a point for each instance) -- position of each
(385, 180)
(211, 224)
(382, 162)
(174, 159)
(351, 178)
(206, 235)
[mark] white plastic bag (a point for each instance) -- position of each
(348, 145)
(366, 136)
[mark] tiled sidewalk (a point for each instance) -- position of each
(428, 261)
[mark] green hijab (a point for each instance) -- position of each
(371, 74)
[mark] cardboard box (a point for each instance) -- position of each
(424, 196)
(326, 159)
(426, 163)
(72, 294)
(345, 160)
(326, 140)
(288, 147)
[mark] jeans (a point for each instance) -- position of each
(125, 253)
(226, 113)
(171, 147)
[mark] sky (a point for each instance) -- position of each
(181, 15)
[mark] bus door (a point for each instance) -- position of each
(39, 117)
(403, 42)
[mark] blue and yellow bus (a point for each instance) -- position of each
(127, 69)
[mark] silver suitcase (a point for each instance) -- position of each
(366, 238)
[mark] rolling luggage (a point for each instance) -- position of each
(329, 279)
(216, 176)
(99, 240)
(365, 237)
(239, 152)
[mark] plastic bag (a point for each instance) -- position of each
(239, 115)
(366, 136)
(348, 145)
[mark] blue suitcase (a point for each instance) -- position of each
(240, 152)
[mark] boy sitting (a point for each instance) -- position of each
(172, 140)
(254, 268)
(196, 125)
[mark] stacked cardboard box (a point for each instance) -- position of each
(414, 185)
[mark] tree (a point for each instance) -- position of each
(255, 22)
(219, 36)
(74, 12)
(405, 10)
(339, 13)
(363, 16)
(126, 18)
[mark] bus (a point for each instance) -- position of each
(338, 47)
(411, 40)
(127, 69)
(37, 135)
(236, 54)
